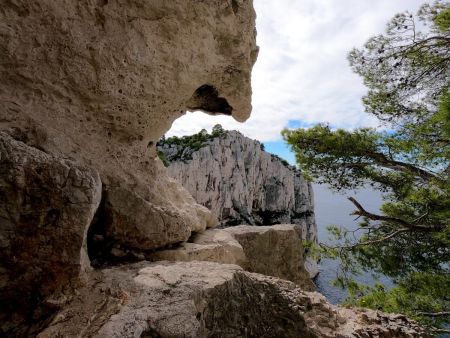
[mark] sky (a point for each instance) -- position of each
(302, 76)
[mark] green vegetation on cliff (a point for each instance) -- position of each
(186, 145)
(407, 72)
(195, 141)
(420, 295)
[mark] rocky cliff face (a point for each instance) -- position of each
(100, 81)
(86, 90)
(241, 183)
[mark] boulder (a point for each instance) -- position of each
(135, 223)
(275, 250)
(271, 250)
(214, 245)
(204, 299)
(46, 207)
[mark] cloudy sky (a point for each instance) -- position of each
(302, 76)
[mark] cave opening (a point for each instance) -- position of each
(206, 98)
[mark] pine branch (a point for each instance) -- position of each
(383, 161)
(375, 241)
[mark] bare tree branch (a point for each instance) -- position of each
(434, 314)
(362, 212)
(441, 330)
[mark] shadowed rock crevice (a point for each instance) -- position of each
(98, 244)
(105, 249)
(234, 6)
(206, 98)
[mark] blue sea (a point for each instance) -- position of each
(335, 209)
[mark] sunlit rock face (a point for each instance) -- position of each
(243, 184)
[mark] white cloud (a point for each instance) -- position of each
(302, 71)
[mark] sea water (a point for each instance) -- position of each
(335, 209)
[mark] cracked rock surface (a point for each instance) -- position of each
(204, 299)
(46, 207)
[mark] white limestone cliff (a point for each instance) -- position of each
(243, 184)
